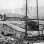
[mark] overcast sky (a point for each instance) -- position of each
(13, 4)
(16, 5)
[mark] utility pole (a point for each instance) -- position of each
(37, 18)
(26, 21)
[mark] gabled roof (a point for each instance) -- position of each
(0, 15)
(14, 15)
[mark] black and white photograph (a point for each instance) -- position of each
(21, 21)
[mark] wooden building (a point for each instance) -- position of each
(12, 17)
(1, 17)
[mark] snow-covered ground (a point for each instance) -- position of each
(9, 23)
(20, 29)
(39, 43)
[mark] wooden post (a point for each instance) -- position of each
(37, 18)
(26, 21)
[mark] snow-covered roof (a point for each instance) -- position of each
(14, 15)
